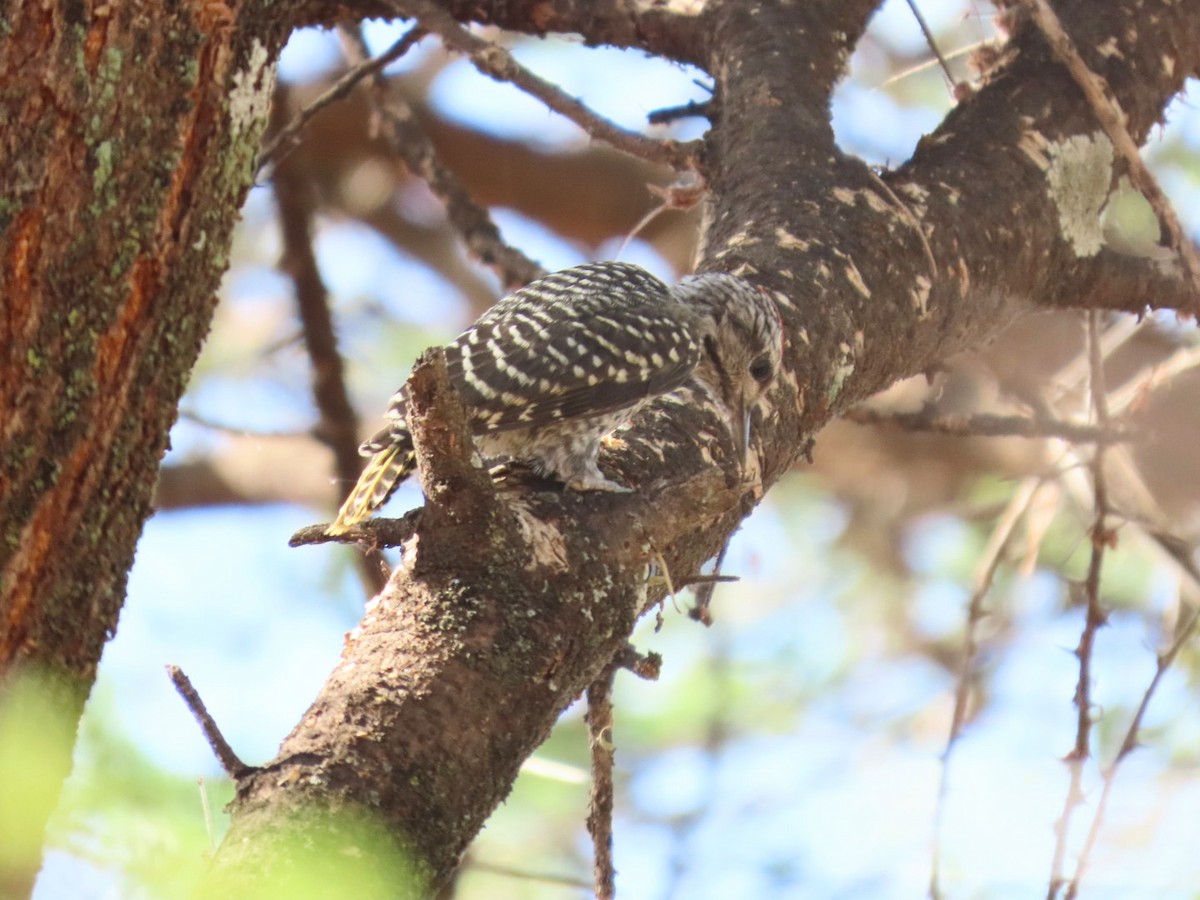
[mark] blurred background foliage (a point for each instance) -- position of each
(794, 749)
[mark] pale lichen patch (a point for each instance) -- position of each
(1080, 176)
(252, 90)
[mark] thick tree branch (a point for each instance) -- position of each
(1112, 119)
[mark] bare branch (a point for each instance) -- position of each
(496, 62)
(989, 563)
(337, 426)
(411, 143)
(1130, 742)
(233, 766)
(1095, 619)
(916, 11)
(283, 141)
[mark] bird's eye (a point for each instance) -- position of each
(761, 369)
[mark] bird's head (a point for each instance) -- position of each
(742, 345)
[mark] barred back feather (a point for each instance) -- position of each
(550, 370)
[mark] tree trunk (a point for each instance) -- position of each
(129, 143)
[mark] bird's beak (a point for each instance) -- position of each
(740, 421)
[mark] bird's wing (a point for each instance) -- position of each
(581, 342)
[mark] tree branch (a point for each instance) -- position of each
(337, 425)
(410, 143)
(233, 766)
(496, 62)
(1113, 120)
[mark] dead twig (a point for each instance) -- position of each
(234, 767)
(496, 62)
(1182, 554)
(283, 141)
(925, 30)
(989, 563)
(411, 143)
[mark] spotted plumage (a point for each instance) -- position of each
(550, 370)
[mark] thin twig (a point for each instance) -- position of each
(337, 425)
(600, 807)
(281, 144)
(410, 142)
(234, 767)
(668, 114)
(988, 425)
(701, 609)
(234, 431)
(496, 62)
(206, 810)
(1163, 663)
(1095, 618)
(912, 5)
(990, 560)
(1113, 120)
(510, 872)
(931, 63)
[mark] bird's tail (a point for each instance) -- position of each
(387, 469)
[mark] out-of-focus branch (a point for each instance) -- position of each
(337, 426)
(282, 142)
(1095, 618)
(410, 142)
(990, 425)
(989, 563)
